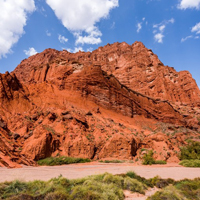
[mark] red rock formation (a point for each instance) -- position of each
(106, 104)
(134, 66)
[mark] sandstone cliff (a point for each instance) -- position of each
(110, 103)
(134, 66)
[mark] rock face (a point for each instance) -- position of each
(110, 103)
(134, 66)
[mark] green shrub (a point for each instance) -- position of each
(149, 160)
(190, 163)
(9, 189)
(189, 188)
(147, 182)
(51, 161)
(117, 180)
(191, 151)
(112, 161)
(160, 162)
(56, 195)
(168, 193)
(134, 185)
(184, 189)
(96, 191)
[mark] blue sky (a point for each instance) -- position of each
(171, 28)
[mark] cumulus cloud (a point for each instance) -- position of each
(92, 37)
(184, 4)
(13, 17)
(62, 39)
(80, 17)
(160, 28)
(196, 28)
(159, 37)
(30, 52)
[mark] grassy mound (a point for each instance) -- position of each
(99, 187)
(149, 160)
(103, 187)
(191, 151)
(185, 189)
(190, 154)
(190, 163)
(51, 161)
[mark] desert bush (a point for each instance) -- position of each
(112, 161)
(168, 193)
(160, 162)
(134, 185)
(51, 161)
(96, 190)
(189, 188)
(149, 160)
(56, 195)
(147, 182)
(191, 151)
(184, 189)
(190, 163)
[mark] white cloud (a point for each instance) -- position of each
(92, 37)
(75, 50)
(159, 37)
(13, 17)
(184, 4)
(62, 39)
(160, 28)
(186, 38)
(112, 26)
(139, 24)
(172, 20)
(79, 16)
(196, 28)
(48, 33)
(90, 49)
(30, 52)
(139, 27)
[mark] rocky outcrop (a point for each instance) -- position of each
(119, 146)
(12, 94)
(10, 152)
(134, 66)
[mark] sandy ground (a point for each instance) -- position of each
(81, 170)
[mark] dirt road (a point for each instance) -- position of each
(81, 170)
